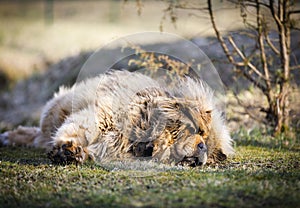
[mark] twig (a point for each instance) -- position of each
(294, 12)
(295, 67)
(262, 50)
(276, 51)
(229, 55)
(245, 60)
(220, 38)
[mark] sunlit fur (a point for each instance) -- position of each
(122, 115)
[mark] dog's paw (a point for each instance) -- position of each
(4, 140)
(68, 153)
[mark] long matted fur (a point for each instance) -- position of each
(124, 115)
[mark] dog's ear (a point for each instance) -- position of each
(220, 156)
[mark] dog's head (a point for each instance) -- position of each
(185, 139)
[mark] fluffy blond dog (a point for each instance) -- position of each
(123, 115)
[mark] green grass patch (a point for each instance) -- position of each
(260, 175)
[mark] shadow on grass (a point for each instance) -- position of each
(254, 178)
(24, 155)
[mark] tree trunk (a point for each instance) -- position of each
(282, 100)
(275, 86)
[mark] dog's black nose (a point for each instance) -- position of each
(201, 145)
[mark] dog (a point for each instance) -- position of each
(124, 115)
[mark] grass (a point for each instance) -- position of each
(260, 175)
(264, 173)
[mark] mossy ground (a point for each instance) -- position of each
(264, 173)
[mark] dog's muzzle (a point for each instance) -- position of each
(199, 158)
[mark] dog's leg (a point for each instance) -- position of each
(71, 140)
(22, 136)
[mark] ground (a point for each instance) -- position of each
(264, 173)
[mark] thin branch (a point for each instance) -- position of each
(198, 16)
(249, 34)
(254, 81)
(284, 38)
(190, 8)
(262, 50)
(277, 20)
(293, 12)
(295, 67)
(275, 50)
(249, 3)
(295, 59)
(245, 60)
(229, 55)
(224, 46)
(220, 38)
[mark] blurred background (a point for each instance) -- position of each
(43, 44)
(37, 33)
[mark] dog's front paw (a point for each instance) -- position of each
(68, 153)
(4, 140)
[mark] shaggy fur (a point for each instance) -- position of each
(122, 115)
